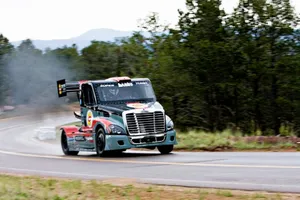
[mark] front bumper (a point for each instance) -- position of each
(118, 142)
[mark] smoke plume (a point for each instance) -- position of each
(32, 76)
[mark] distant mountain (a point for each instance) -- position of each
(82, 40)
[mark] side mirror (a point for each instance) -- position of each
(77, 115)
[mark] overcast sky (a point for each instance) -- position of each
(60, 19)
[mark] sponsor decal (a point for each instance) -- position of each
(61, 87)
(107, 85)
(79, 138)
(142, 83)
(137, 105)
(89, 150)
(89, 139)
(89, 118)
(83, 149)
(125, 84)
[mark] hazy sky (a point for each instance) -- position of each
(60, 19)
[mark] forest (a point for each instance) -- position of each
(211, 72)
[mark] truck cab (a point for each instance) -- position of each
(116, 114)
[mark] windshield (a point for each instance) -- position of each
(127, 91)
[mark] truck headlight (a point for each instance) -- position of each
(170, 123)
(114, 129)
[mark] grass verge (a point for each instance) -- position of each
(30, 187)
(228, 141)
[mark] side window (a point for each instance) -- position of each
(88, 96)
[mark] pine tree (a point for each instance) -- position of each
(5, 49)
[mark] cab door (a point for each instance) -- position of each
(83, 138)
(87, 102)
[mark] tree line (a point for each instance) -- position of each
(212, 71)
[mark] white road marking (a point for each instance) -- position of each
(148, 162)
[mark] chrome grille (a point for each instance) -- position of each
(145, 123)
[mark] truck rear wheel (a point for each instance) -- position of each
(165, 149)
(64, 145)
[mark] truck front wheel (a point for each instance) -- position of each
(166, 149)
(100, 142)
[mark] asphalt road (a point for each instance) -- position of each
(21, 152)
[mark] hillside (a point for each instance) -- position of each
(81, 40)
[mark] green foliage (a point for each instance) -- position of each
(211, 72)
(5, 49)
(227, 140)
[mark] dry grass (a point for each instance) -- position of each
(21, 187)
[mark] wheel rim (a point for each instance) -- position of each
(100, 143)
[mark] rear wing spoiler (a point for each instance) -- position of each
(63, 87)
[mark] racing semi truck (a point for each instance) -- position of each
(116, 114)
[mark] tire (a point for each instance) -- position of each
(166, 149)
(65, 147)
(100, 143)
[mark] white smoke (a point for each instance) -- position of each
(33, 75)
